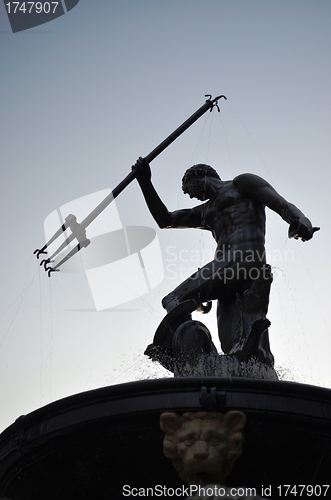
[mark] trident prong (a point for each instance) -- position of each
(39, 251)
(50, 270)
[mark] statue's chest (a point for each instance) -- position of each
(227, 200)
(226, 207)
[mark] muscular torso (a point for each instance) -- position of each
(237, 222)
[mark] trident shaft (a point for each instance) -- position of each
(78, 230)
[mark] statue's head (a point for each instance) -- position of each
(194, 181)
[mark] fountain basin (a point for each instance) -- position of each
(92, 444)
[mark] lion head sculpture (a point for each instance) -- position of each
(203, 446)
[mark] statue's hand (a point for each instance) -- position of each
(302, 228)
(142, 169)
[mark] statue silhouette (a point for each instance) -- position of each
(239, 277)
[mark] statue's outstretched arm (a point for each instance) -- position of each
(262, 191)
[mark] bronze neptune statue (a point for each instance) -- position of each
(239, 277)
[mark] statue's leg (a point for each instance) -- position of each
(216, 279)
(229, 322)
(191, 288)
(240, 304)
(242, 319)
(204, 285)
(254, 305)
(265, 354)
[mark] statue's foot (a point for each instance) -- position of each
(170, 301)
(259, 326)
(250, 348)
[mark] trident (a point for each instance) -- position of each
(78, 230)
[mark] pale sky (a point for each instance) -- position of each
(86, 94)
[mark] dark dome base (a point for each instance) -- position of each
(90, 445)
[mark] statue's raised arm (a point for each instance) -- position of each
(185, 218)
